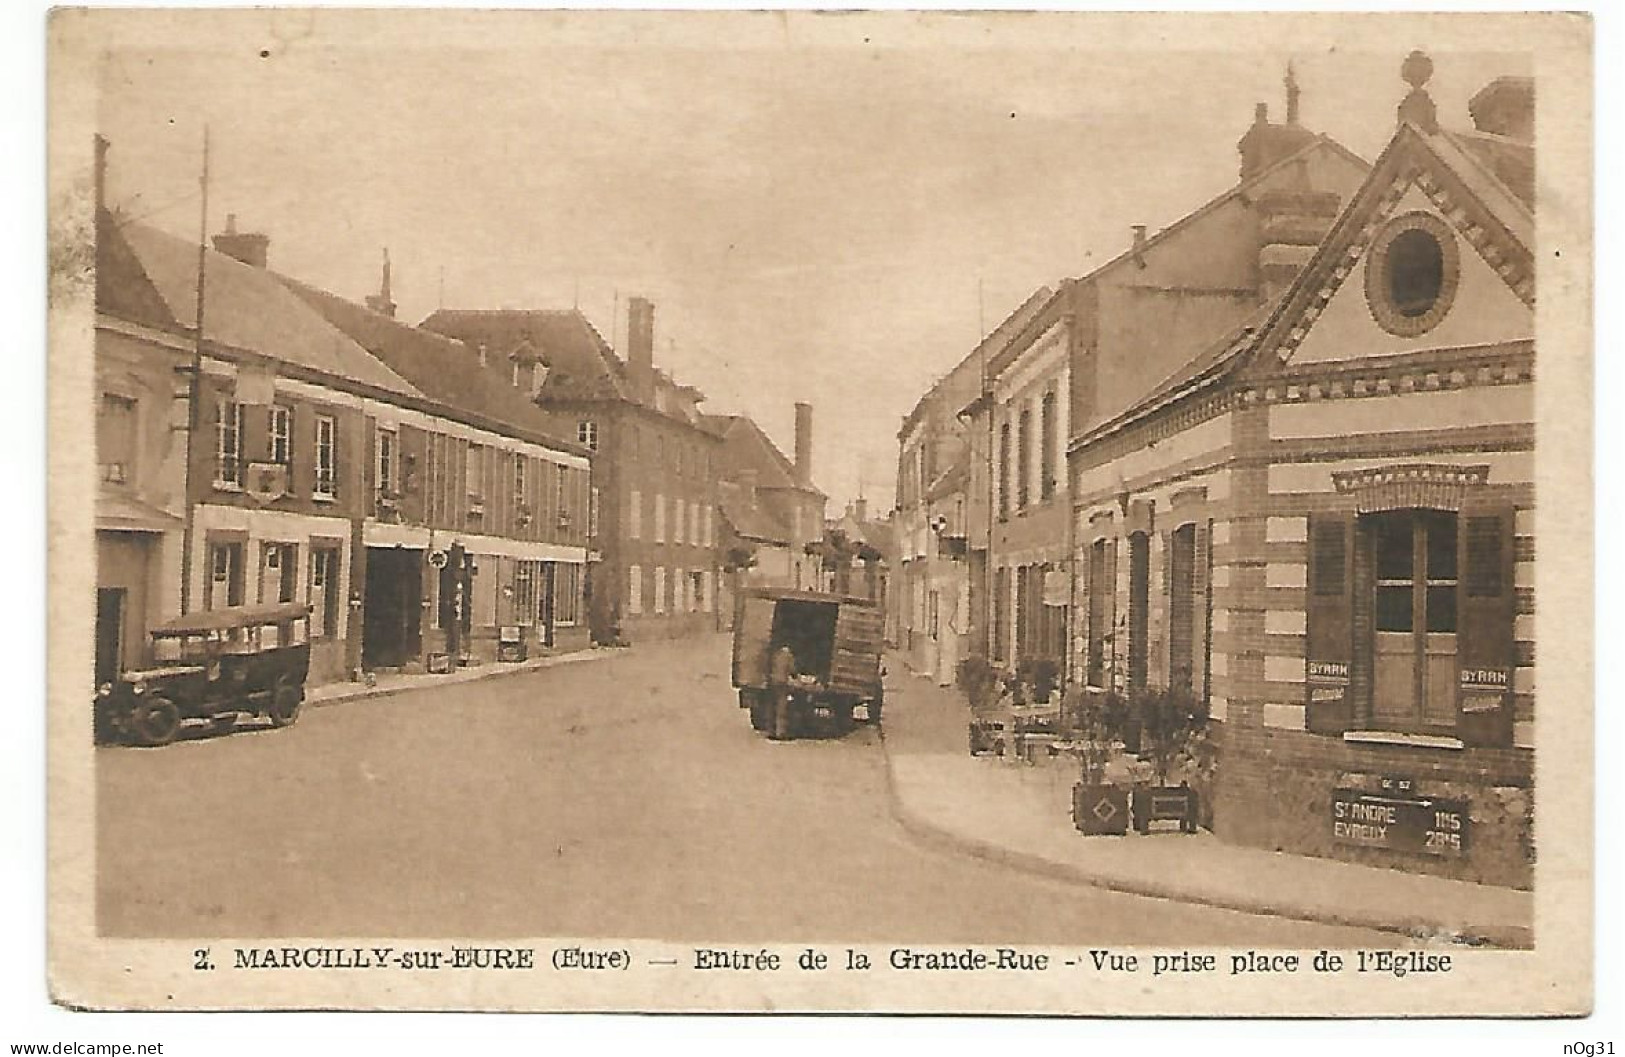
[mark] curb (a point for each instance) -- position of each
(498, 671)
(1513, 937)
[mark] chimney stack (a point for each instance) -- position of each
(860, 509)
(1506, 107)
(247, 246)
(1139, 245)
(381, 302)
(804, 444)
(101, 173)
(640, 342)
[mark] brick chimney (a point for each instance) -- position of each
(247, 246)
(1506, 107)
(1266, 143)
(860, 509)
(804, 444)
(381, 302)
(640, 346)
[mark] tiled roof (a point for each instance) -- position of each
(748, 520)
(1511, 162)
(746, 447)
(445, 369)
(581, 365)
(244, 307)
(1256, 335)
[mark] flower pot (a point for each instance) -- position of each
(1165, 803)
(1100, 809)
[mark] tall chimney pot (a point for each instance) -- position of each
(640, 342)
(1139, 244)
(250, 247)
(804, 444)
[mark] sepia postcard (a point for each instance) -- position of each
(793, 511)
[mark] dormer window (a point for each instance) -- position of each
(587, 434)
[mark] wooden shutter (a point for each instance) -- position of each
(1485, 620)
(1329, 605)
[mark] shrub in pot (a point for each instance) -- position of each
(1173, 738)
(1096, 719)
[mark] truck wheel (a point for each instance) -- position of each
(156, 722)
(285, 701)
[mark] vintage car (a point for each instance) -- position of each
(212, 665)
(835, 641)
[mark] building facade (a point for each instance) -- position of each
(1322, 525)
(652, 509)
(943, 509)
(297, 466)
(1102, 340)
(771, 511)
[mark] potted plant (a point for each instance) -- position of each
(1173, 739)
(979, 682)
(1095, 719)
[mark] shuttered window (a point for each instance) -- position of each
(1329, 653)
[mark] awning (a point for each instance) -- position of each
(122, 513)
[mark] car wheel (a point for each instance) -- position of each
(156, 722)
(285, 701)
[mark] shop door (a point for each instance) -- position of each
(1414, 619)
(392, 626)
(109, 633)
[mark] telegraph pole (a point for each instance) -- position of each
(194, 386)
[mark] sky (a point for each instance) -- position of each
(830, 208)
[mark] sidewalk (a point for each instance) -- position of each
(391, 683)
(1020, 815)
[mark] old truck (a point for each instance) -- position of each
(833, 664)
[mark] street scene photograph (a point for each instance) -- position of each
(937, 489)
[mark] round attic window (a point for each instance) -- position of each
(1411, 274)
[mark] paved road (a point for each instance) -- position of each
(624, 796)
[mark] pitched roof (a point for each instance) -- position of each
(244, 307)
(1276, 326)
(746, 447)
(749, 520)
(445, 369)
(989, 347)
(581, 365)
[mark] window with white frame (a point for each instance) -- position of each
(660, 589)
(634, 589)
(474, 471)
(710, 590)
(678, 509)
(387, 469)
(660, 518)
(228, 444)
(327, 472)
(634, 515)
(280, 435)
(116, 438)
(587, 433)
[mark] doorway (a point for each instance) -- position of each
(109, 633)
(1413, 559)
(391, 631)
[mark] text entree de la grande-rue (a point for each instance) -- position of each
(813, 959)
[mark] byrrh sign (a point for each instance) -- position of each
(1415, 824)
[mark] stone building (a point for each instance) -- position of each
(1322, 523)
(770, 508)
(652, 515)
(1099, 341)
